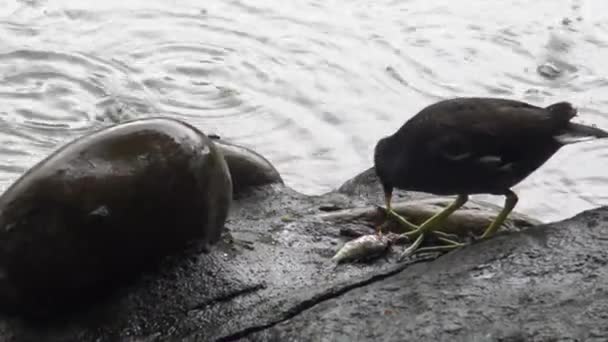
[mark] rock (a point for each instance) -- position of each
(248, 169)
(272, 279)
(105, 206)
(543, 284)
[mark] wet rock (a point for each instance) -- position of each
(105, 206)
(542, 284)
(248, 169)
(271, 279)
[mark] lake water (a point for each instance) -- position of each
(312, 85)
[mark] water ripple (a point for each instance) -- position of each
(49, 97)
(311, 84)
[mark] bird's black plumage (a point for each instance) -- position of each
(466, 146)
(474, 145)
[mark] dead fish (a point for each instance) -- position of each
(364, 247)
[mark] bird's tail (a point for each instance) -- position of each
(562, 111)
(574, 133)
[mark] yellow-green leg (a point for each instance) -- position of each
(401, 219)
(441, 236)
(510, 202)
(414, 248)
(410, 226)
(437, 219)
(431, 224)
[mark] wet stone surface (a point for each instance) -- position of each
(270, 278)
(543, 284)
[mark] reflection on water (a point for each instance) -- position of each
(310, 84)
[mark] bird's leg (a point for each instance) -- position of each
(437, 219)
(401, 219)
(387, 201)
(445, 237)
(447, 240)
(431, 224)
(510, 202)
(413, 250)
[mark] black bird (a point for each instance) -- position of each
(475, 145)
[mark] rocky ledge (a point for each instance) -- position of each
(271, 278)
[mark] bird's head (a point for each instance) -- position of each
(384, 161)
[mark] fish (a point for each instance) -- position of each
(363, 247)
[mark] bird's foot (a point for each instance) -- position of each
(450, 242)
(415, 247)
(414, 230)
(439, 235)
(411, 249)
(405, 223)
(442, 234)
(435, 221)
(429, 250)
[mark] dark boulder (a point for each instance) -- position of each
(105, 206)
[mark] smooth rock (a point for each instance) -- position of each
(105, 206)
(248, 169)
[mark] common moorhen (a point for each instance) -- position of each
(474, 145)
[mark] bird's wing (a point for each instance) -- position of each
(490, 133)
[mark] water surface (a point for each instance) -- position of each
(310, 84)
